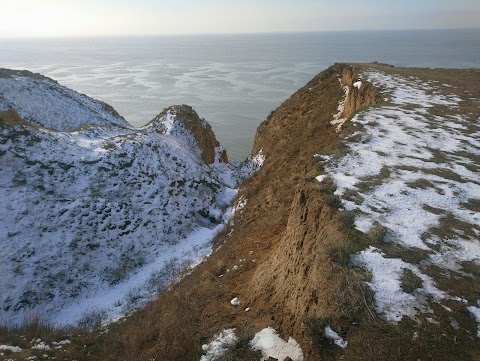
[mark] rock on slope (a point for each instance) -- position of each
(84, 210)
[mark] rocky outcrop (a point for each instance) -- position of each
(202, 132)
(363, 94)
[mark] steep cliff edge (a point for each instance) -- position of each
(305, 273)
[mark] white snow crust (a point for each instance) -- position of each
(475, 311)
(271, 345)
(357, 84)
(10, 348)
(392, 302)
(335, 337)
(235, 301)
(338, 120)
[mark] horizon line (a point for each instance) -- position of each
(90, 36)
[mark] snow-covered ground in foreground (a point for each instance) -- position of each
(415, 166)
(267, 341)
(96, 221)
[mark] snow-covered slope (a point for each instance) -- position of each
(97, 218)
(44, 102)
(414, 174)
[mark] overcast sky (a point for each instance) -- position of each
(141, 17)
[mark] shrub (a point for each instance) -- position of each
(92, 320)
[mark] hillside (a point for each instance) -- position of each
(358, 237)
(96, 215)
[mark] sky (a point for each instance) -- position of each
(59, 18)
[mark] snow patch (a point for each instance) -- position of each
(235, 302)
(40, 345)
(337, 117)
(271, 345)
(335, 337)
(10, 348)
(357, 84)
(475, 311)
(219, 345)
(390, 299)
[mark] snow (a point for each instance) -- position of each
(61, 343)
(40, 345)
(335, 337)
(235, 301)
(411, 169)
(53, 106)
(100, 219)
(10, 348)
(337, 117)
(114, 300)
(475, 311)
(239, 206)
(168, 122)
(219, 345)
(271, 345)
(252, 165)
(391, 301)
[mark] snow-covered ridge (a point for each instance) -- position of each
(100, 218)
(44, 102)
(412, 169)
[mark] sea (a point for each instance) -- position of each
(233, 81)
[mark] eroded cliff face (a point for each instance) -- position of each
(363, 94)
(305, 273)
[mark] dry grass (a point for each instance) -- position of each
(242, 350)
(10, 117)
